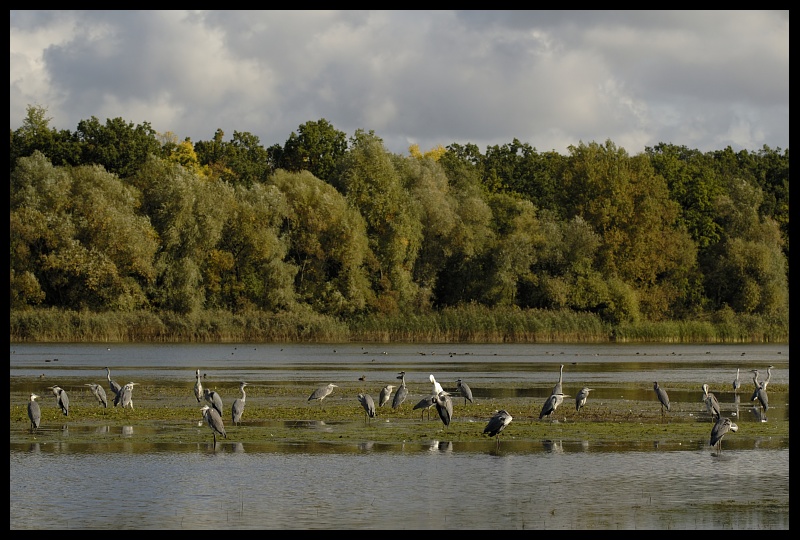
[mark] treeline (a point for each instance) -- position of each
(115, 217)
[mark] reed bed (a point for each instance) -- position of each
(464, 324)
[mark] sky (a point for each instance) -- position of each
(552, 79)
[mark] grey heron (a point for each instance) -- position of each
(322, 392)
(238, 406)
(497, 424)
(580, 399)
(62, 399)
(425, 404)
(34, 413)
(214, 421)
(721, 427)
(369, 406)
(99, 393)
(712, 404)
(465, 391)
(736, 383)
(763, 400)
(114, 386)
(402, 392)
(444, 406)
(386, 393)
(126, 395)
(662, 397)
(769, 376)
(756, 384)
(551, 404)
(557, 389)
(214, 400)
(198, 387)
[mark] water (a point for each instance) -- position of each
(549, 484)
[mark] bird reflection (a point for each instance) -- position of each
(127, 430)
(554, 447)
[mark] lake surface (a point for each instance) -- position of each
(548, 484)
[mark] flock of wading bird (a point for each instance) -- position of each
(212, 411)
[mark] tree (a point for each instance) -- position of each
(317, 147)
(119, 147)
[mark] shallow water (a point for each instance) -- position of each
(548, 484)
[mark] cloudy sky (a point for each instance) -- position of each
(706, 80)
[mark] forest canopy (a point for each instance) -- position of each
(114, 217)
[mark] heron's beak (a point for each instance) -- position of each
(734, 427)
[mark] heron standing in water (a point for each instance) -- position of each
(214, 421)
(721, 427)
(34, 413)
(497, 424)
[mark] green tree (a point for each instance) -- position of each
(35, 134)
(369, 181)
(118, 146)
(327, 244)
(317, 147)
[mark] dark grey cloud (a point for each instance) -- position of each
(550, 78)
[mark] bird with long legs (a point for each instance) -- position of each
(662, 396)
(322, 392)
(99, 394)
(214, 400)
(551, 404)
(214, 421)
(369, 406)
(425, 404)
(34, 413)
(115, 387)
(580, 399)
(464, 390)
(126, 395)
(497, 424)
(721, 427)
(736, 382)
(402, 392)
(198, 387)
(558, 389)
(62, 399)
(385, 395)
(763, 401)
(237, 409)
(444, 406)
(712, 404)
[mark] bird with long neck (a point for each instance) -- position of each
(198, 387)
(557, 389)
(736, 383)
